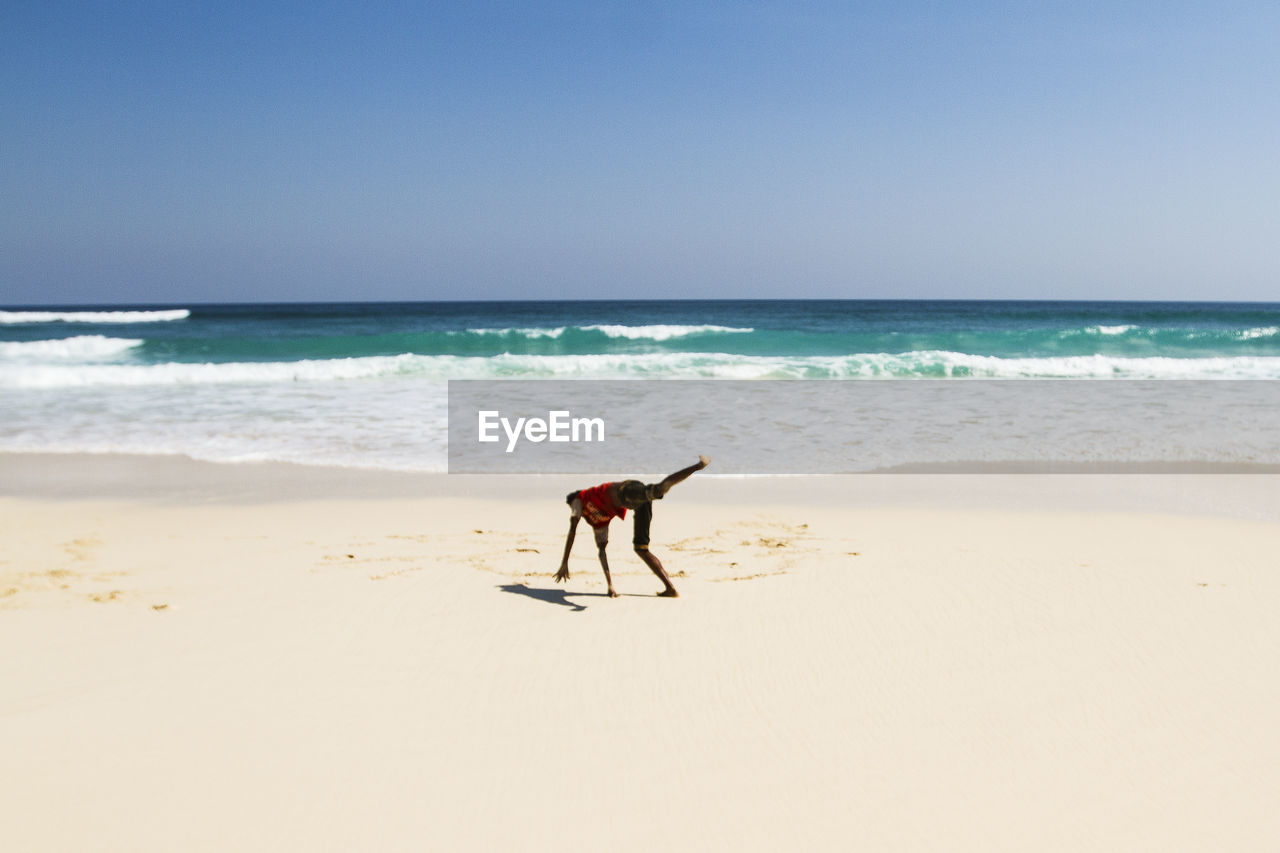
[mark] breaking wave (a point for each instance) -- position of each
(120, 317)
(79, 348)
(649, 332)
(909, 365)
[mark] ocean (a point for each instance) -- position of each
(366, 384)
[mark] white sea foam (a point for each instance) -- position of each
(663, 333)
(528, 333)
(78, 348)
(15, 317)
(651, 332)
(232, 373)
(401, 423)
(910, 365)
(365, 424)
(952, 364)
(1241, 334)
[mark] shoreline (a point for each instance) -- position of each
(182, 481)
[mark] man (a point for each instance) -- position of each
(607, 501)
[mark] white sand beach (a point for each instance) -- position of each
(204, 657)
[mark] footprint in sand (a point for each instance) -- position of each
(82, 547)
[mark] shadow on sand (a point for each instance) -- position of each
(551, 596)
(558, 596)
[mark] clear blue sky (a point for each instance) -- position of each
(181, 152)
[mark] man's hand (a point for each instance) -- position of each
(563, 574)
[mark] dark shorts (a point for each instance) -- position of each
(644, 515)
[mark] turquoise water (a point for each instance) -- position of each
(364, 383)
(902, 339)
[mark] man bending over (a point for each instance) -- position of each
(607, 501)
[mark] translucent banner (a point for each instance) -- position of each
(827, 427)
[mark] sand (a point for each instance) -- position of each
(209, 657)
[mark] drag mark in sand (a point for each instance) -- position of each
(64, 575)
(399, 554)
(751, 549)
(748, 550)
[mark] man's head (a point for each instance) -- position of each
(635, 493)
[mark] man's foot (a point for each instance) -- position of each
(669, 592)
(703, 462)
(613, 593)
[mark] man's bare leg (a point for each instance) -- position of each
(602, 542)
(655, 565)
(683, 474)
(604, 564)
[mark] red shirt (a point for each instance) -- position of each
(598, 507)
